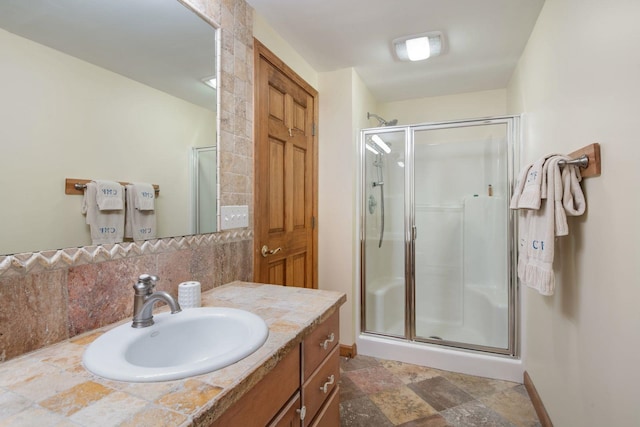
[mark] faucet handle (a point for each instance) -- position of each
(148, 278)
(145, 284)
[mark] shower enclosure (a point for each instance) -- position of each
(437, 245)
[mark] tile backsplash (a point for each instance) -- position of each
(53, 299)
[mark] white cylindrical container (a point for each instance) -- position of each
(189, 294)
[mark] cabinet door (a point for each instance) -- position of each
(263, 402)
(290, 414)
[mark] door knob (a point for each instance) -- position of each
(266, 252)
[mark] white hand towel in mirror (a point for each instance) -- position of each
(106, 226)
(109, 195)
(139, 224)
(144, 196)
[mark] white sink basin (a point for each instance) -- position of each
(192, 342)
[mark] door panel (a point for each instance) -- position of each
(285, 159)
(299, 188)
(276, 104)
(277, 272)
(276, 186)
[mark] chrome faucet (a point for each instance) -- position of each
(145, 298)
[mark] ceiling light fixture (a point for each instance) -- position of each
(419, 47)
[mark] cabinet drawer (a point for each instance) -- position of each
(316, 390)
(289, 416)
(329, 415)
(320, 343)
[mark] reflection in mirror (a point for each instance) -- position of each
(106, 89)
(204, 169)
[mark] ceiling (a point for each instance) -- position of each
(484, 40)
(159, 43)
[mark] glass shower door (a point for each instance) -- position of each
(383, 243)
(461, 247)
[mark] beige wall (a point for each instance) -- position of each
(578, 83)
(440, 108)
(336, 258)
(96, 124)
(276, 44)
(344, 100)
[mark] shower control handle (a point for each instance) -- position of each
(266, 252)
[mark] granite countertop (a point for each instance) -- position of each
(50, 387)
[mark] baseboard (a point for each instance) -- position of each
(348, 350)
(543, 416)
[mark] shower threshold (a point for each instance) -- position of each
(470, 362)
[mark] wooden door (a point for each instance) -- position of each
(285, 189)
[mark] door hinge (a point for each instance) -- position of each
(313, 129)
(313, 222)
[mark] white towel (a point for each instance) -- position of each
(573, 199)
(535, 268)
(560, 195)
(106, 226)
(534, 187)
(530, 197)
(140, 224)
(109, 195)
(144, 196)
(517, 191)
(561, 228)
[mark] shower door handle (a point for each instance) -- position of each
(414, 233)
(266, 252)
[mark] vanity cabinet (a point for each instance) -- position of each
(302, 389)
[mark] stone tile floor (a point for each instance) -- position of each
(382, 393)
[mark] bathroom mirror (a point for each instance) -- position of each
(101, 89)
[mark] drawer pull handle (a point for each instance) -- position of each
(326, 385)
(302, 412)
(330, 338)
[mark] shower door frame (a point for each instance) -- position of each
(410, 233)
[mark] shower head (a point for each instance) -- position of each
(381, 121)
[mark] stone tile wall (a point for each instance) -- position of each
(47, 297)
